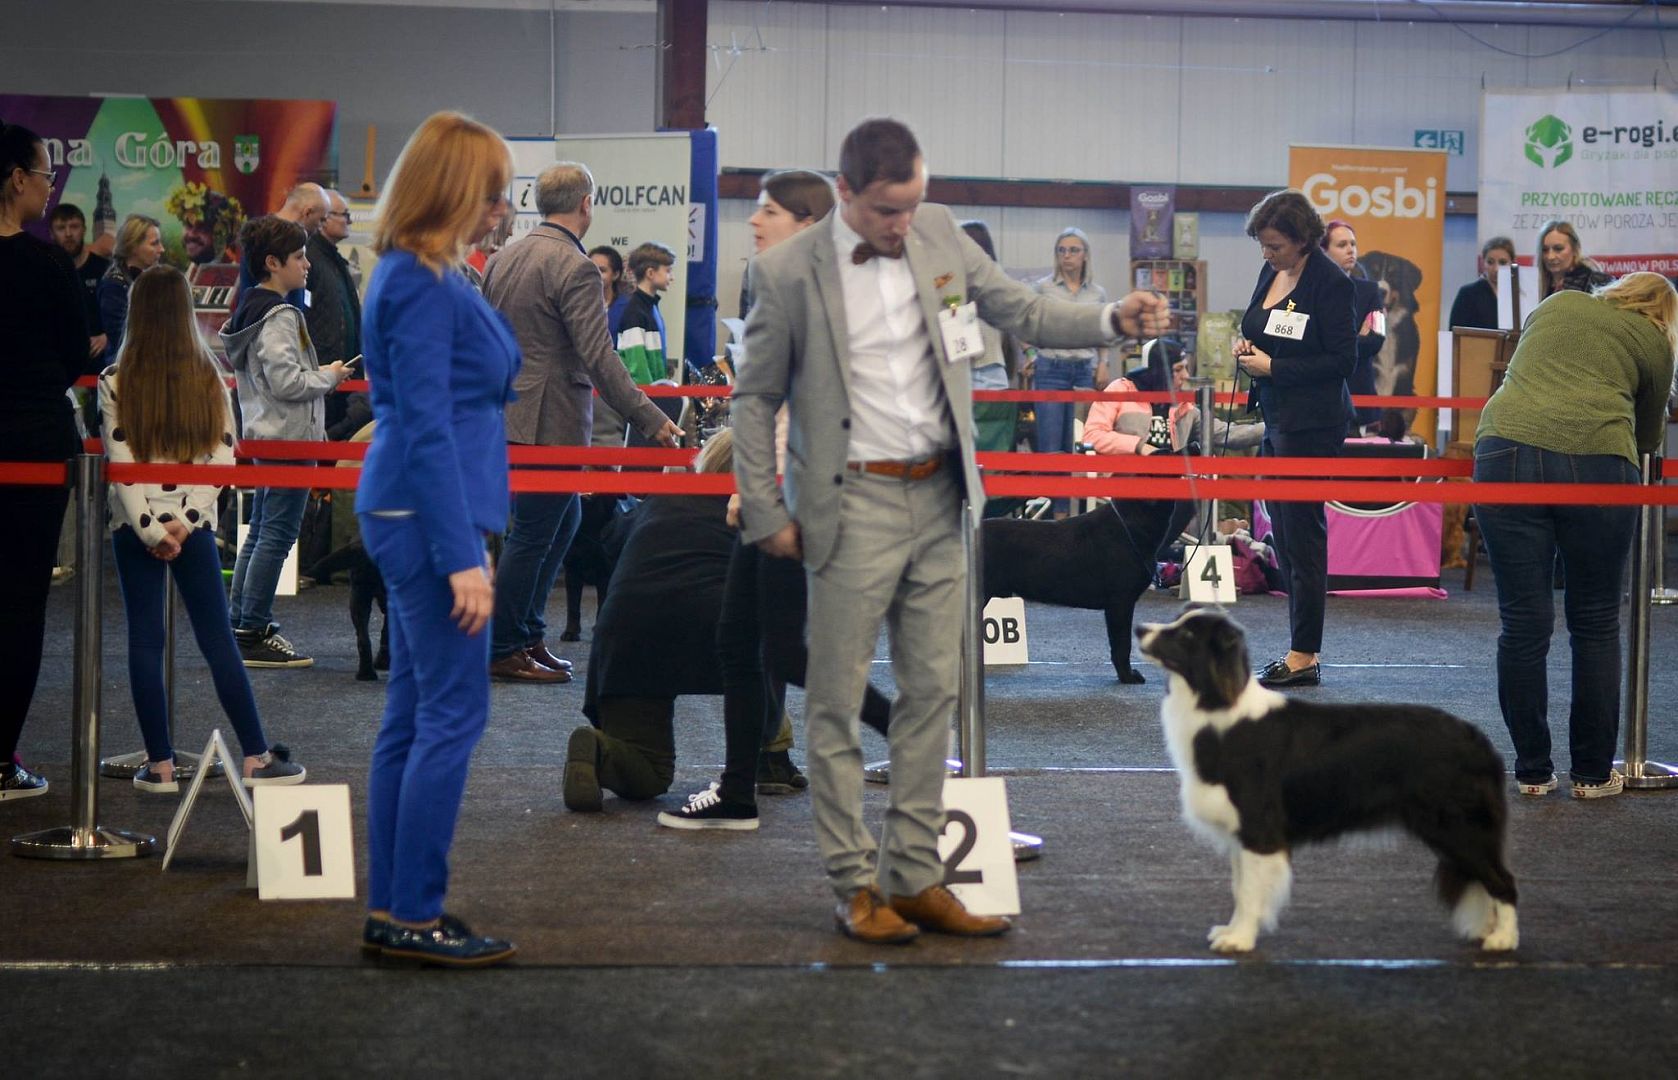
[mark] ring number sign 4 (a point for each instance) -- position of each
(303, 842)
(1209, 574)
(975, 847)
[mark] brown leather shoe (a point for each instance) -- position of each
(539, 653)
(520, 668)
(866, 917)
(937, 909)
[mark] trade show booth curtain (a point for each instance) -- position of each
(702, 250)
(200, 166)
(1395, 201)
(1605, 160)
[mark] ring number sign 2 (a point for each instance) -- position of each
(303, 842)
(975, 847)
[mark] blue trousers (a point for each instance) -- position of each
(1054, 418)
(197, 571)
(1594, 543)
(436, 706)
(538, 536)
(276, 519)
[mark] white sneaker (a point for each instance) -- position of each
(1615, 784)
(1542, 787)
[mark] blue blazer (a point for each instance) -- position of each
(1306, 387)
(441, 362)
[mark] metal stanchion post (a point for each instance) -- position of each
(86, 838)
(970, 710)
(1637, 769)
(1208, 507)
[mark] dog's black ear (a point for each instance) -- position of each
(1230, 665)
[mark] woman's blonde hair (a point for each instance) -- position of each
(436, 192)
(717, 455)
(1648, 295)
(171, 402)
(131, 235)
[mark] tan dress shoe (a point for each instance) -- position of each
(866, 917)
(539, 654)
(937, 909)
(521, 668)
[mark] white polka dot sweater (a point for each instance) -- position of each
(148, 507)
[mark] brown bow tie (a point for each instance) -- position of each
(865, 251)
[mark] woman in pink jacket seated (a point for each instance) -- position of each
(1135, 427)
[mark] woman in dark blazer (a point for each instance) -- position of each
(1298, 341)
(1340, 240)
(441, 363)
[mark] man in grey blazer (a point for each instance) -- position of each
(549, 289)
(848, 328)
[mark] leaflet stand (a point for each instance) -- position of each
(215, 753)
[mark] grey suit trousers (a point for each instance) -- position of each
(898, 559)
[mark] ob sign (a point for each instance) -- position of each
(1004, 630)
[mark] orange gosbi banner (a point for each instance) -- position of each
(1395, 201)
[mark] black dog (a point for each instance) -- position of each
(591, 557)
(367, 587)
(1102, 560)
(1260, 774)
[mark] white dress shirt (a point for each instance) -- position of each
(898, 408)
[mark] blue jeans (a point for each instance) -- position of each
(276, 519)
(1594, 542)
(538, 536)
(1054, 418)
(197, 571)
(436, 705)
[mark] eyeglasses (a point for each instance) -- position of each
(345, 214)
(50, 174)
(1069, 251)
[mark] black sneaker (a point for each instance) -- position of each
(777, 775)
(707, 810)
(269, 650)
(148, 780)
(17, 782)
(277, 769)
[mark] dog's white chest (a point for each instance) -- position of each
(1208, 810)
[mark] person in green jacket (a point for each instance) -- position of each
(1585, 394)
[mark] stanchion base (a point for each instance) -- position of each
(124, 766)
(1663, 596)
(1652, 777)
(879, 772)
(71, 842)
(1026, 846)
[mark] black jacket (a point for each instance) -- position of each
(1366, 297)
(1306, 387)
(1476, 305)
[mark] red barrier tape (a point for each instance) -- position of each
(1179, 465)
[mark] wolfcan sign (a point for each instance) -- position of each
(1605, 160)
(1394, 199)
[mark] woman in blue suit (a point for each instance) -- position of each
(441, 363)
(1299, 343)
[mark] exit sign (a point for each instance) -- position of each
(1431, 139)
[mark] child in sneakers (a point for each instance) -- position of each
(165, 402)
(281, 387)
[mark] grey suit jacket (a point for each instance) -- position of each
(797, 344)
(550, 291)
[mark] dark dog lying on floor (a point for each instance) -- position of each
(1102, 560)
(591, 557)
(1261, 774)
(366, 588)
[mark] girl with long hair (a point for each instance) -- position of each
(170, 405)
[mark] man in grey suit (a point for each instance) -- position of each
(859, 325)
(550, 291)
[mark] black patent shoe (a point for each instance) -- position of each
(1278, 675)
(448, 944)
(376, 931)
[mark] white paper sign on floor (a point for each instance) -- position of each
(215, 753)
(975, 846)
(1004, 624)
(1208, 574)
(303, 842)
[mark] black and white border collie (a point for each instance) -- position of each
(1261, 773)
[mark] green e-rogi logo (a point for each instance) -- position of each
(1549, 142)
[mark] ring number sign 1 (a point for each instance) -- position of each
(303, 842)
(975, 847)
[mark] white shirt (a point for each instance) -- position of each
(898, 408)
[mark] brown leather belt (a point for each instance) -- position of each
(898, 470)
